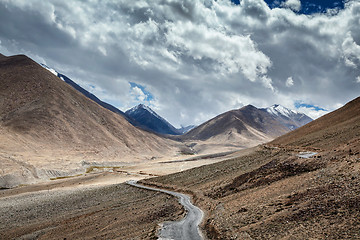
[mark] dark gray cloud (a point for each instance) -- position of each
(197, 58)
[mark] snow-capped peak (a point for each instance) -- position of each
(277, 109)
(142, 106)
(149, 119)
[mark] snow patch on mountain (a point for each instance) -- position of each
(144, 107)
(50, 69)
(289, 118)
(277, 109)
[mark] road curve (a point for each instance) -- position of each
(185, 229)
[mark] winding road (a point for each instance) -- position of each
(185, 229)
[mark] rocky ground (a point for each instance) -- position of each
(274, 194)
(89, 212)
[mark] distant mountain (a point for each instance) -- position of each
(247, 122)
(247, 126)
(289, 118)
(184, 130)
(49, 129)
(147, 119)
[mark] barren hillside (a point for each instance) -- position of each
(248, 121)
(49, 129)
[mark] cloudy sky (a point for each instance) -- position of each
(191, 60)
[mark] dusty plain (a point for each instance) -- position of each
(97, 204)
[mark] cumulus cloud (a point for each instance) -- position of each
(293, 4)
(351, 51)
(198, 58)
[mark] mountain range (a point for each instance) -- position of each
(52, 127)
(140, 116)
(248, 126)
(144, 117)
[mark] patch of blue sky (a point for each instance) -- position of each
(148, 96)
(308, 6)
(299, 104)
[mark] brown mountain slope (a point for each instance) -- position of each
(241, 128)
(337, 127)
(243, 121)
(48, 128)
(273, 193)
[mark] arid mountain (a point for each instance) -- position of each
(244, 127)
(50, 129)
(248, 121)
(277, 192)
(139, 116)
(90, 95)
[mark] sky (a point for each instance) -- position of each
(190, 60)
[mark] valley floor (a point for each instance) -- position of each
(264, 192)
(71, 210)
(97, 204)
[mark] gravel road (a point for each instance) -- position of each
(185, 229)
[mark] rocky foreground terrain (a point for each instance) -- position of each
(66, 211)
(273, 193)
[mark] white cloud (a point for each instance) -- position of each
(312, 112)
(197, 57)
(289, 82)
(229, 53)
(292, 4)
(351, 51)
(138, 94)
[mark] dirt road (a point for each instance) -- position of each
(185, 229)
